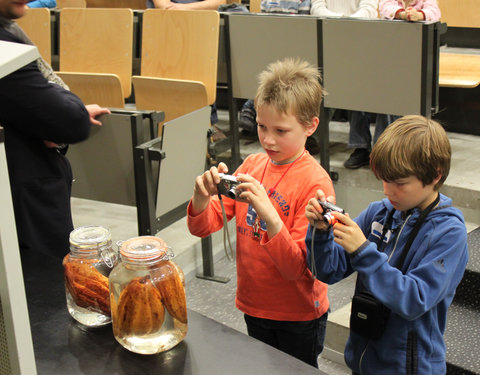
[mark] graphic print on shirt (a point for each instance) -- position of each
(258, 225)
(282, 203)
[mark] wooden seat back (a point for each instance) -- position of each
(97, 41)
(36, 24)
(181, 44)
(255, 6)
(99, 88)
(460, 13)
(71, 4)
(175, 97)
(459, 70)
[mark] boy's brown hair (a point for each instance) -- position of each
(412, 146)
(291, 86)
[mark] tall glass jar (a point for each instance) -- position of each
(86, 270)
(147, 291)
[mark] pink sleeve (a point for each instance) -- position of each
(388, 8)
(431, 10)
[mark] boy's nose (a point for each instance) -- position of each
(386, 189)
(268, 140)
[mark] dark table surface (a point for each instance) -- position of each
(64, 347)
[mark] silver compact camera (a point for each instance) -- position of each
(327, 209)
(228, 187)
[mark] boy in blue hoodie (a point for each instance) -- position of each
(410, 252)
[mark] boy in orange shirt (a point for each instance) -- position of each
(283, 305)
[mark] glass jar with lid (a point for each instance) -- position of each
(86, 269)
(147, 291)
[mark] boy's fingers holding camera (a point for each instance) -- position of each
(320, 195)
(200, 187)
(313, 213)
(213, 175)
(210, 180)
(222, 168)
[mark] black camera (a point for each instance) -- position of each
(228, 187)
(327, 209)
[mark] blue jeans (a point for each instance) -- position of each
(302, 340)
(360, 136)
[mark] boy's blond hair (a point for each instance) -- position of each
(291, 86)
(412, 146)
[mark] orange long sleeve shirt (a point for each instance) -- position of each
(273, 281)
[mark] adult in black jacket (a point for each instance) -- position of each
(37, 116)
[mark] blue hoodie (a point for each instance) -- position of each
(412, 342)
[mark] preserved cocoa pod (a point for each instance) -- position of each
(87, 286)
(140, 301)
(169, 282)
(140, 310)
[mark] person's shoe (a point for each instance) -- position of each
(358, 158)
(217, 134)
(247, 121)
(312, 146)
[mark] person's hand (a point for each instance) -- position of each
(414, 15)
(314, 212)
(347, 233)
(401, 15)
(255, 194)
(206, 186)
(95, 110)
(176, 6)
(162, 4)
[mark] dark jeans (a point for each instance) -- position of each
(303, 340)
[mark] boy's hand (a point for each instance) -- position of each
(347, 233)
(205, 186)
(254, 193)
(314, 212)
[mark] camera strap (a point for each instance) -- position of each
(226, 234)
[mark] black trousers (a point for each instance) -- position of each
(302, 340)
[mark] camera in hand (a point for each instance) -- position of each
(328, 208)
(228, 187)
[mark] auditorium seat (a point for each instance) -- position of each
(97, 41)
(179, 56)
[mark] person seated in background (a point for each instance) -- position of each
(360, 137)
(284, 306)
(185, 4)
(344, 8)
(409, 251)
(410, 10)
(358, 120)
(40, 117)
(42, 4)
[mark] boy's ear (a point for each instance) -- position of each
(313, 126)
(439, 176)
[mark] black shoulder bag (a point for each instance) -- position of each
(368, 316)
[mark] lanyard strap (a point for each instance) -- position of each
(414, 232)
(386, 227)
